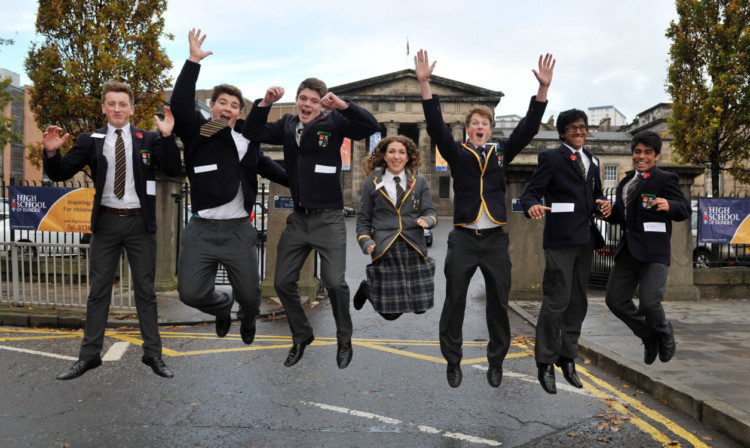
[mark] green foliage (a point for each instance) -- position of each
(709, 81)
(87, 43)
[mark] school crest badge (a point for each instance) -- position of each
(323, 137)
(146, 157)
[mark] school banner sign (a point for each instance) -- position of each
(53, 209)
(724, 221)
(346, 154)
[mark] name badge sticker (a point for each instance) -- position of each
(325, 169)
(205, 168)
(151, 187)
(563, 207)
(654, 227)
(97, 135)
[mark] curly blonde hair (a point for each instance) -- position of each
(377, 157)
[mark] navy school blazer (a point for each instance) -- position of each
(149, 150)
(558, 180)
(212, 163)
(646, 232)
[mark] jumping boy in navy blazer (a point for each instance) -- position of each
(222, 167)
(123, 217)
(312, 143)
(648, 200)
(568, 177)
(478, 238)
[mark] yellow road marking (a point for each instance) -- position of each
(32, 338)
(650, 413)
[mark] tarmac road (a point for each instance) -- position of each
(394, 393)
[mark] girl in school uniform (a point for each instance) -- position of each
(395, 208)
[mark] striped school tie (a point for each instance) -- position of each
(212, 127)
(631, 190)
(581, 166)
(119, 186)
(399, 190)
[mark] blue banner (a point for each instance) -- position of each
(54, 209)
(724, 221)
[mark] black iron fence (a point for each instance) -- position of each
(50, 243)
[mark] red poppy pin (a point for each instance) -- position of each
(573, 157)
(139, 135)
(646, 175)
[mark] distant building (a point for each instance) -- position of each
(599, 114)
(13, 164)
(506, 123)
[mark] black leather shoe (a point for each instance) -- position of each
(454, 374)
(344, 355)
(361, 296)
(650, 349)
(547, 378)
(296, 352)
(79, 368)
(667, 345)
(247, 333)
(223, 324)
(495, 376)
(158, 366)
(568, 367)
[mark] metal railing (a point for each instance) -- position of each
(34, 275)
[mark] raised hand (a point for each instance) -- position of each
(331, 101)
(51, 139)
(196, 41)
(422, 66)
(546, 68)
(273, 94)
(165, 126)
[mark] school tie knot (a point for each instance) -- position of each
(212, 127)
(399, 190)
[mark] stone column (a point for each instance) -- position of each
(423, 144)
(276, 220)
(391, 128)
(680, 284)
(526, 253)
(166, 231)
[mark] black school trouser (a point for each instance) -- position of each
(466, 253)
(564, 302)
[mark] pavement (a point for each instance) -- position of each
(705, 379)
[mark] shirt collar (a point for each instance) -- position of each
(125, 130)
(388, 176)
(573, 149)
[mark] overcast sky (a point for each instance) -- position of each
(608, 53)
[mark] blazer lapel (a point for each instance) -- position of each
(570, 158)
(137, 141)
(377, 180)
